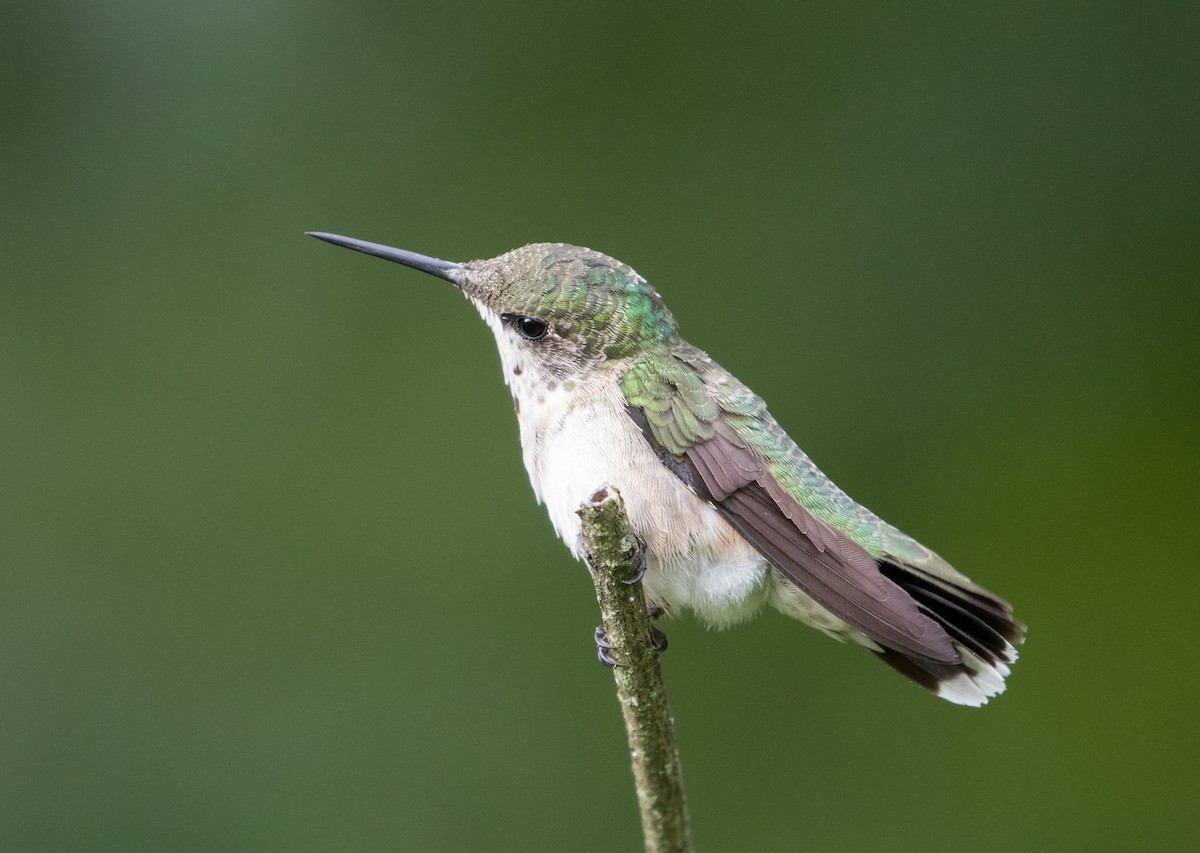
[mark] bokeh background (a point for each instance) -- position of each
(271, 574)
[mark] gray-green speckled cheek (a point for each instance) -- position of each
(601, 304)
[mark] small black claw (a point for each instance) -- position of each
(658, 644)
(603, 647)
(641, 562)
(601, 638)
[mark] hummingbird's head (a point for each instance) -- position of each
(584, 301)
(554, 308)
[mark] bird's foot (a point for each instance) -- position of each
(603, 647)
(658, 644)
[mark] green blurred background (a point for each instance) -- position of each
(264, 515)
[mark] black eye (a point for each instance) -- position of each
(531, 327)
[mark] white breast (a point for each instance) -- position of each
(574, 442)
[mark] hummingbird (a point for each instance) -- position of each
(732, 516)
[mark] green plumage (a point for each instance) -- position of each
(600, 303)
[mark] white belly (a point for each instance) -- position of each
(573, 444)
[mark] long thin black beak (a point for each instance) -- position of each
(434, 266)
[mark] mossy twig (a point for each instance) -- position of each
(613, 555)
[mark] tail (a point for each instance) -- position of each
(980, 625)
